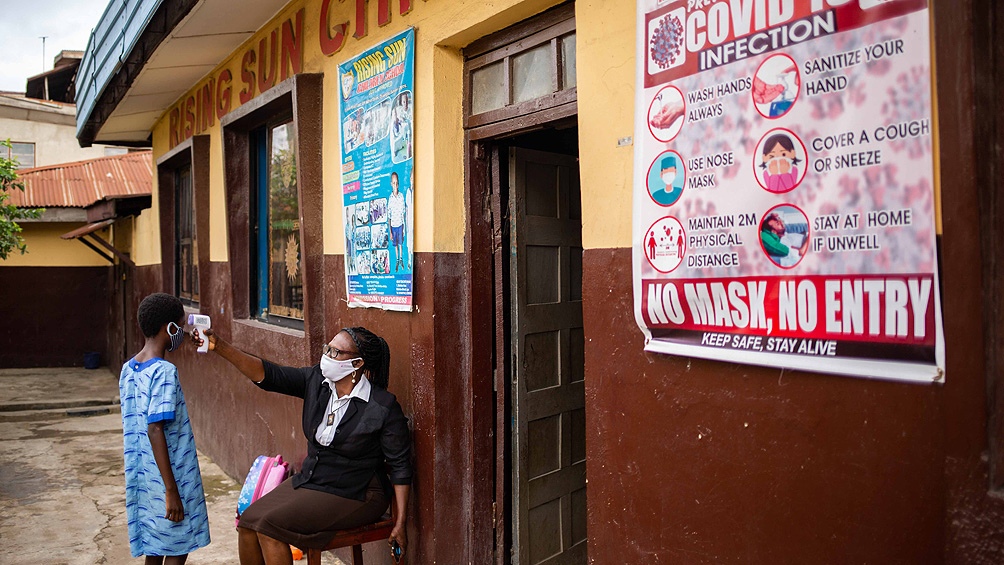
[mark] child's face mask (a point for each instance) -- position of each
(176, 337)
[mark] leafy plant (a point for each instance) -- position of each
(10, 231)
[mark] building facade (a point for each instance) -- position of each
(65, 179)
(71, 284)
(543, 431)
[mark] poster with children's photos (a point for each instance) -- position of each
(377, 117)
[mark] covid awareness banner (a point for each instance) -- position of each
(784, 205)
(377, 118)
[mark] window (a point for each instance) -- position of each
(23, 152)
(186, 271)
(183, 197)
(518, 72)
(275, 255)
(273, 188)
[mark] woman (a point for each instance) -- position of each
(355, 429)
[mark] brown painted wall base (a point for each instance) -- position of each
(52, 316)
(693, 461)
(688, 461)
(234, 421)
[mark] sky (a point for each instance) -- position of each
(66, 23)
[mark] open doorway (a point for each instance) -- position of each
(525, 265)
(540, 396)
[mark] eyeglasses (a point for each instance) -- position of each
(334, 352)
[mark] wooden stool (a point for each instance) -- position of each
(377, 531)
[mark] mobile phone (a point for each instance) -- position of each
(396, 552)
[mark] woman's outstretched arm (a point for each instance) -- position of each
(246, 363)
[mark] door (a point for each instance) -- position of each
(549, 456)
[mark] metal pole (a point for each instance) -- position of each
(42, 37)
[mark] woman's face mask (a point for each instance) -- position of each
(177, 336)
(335, 370)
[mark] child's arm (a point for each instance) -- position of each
(175, 511)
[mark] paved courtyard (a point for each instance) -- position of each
(62, 496)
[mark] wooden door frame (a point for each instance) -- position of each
(485, 240)
(483, 269)
(988, 71)
(480, 295)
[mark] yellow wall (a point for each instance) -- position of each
(443, 27)
(146, 244)
(46, 249)
(604, 45)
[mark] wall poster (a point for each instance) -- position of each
(784, 206)
(377, 118)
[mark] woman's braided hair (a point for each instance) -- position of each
(375, 352)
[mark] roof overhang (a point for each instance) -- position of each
(111, 207)
(55, 84)
(86, 236)
(143, 56)
(88, 229)
(104, 213)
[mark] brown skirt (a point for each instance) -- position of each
(309, 518)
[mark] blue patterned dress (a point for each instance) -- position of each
(150, 392)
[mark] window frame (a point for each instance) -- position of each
(301, 96)
(34, 154)
(193, 155)
(180, 240)
(548, 28)
(260, 146)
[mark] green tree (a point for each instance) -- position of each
(10, 231)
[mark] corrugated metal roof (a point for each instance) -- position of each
(82, 183)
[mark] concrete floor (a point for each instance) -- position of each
(62, 495)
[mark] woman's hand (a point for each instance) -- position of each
(198, 339)
(400, 532)
(399, 535)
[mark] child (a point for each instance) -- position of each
(165, 503)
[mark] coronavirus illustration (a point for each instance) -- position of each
(666, 42)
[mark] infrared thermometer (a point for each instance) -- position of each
(201, 323)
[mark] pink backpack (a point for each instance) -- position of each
(266, 473)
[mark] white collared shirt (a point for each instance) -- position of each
(337, 406)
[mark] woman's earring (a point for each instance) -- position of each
(354, 376)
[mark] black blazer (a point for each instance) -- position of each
(369, 434)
